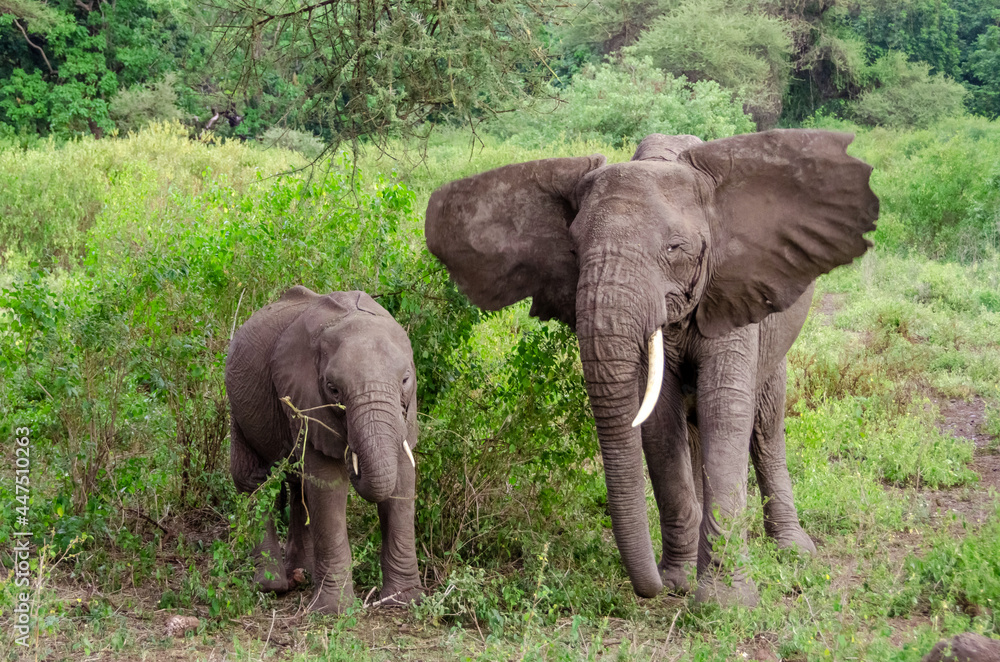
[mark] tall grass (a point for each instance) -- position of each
(53, 193)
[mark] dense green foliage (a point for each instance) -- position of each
(341, 70)
(62, 63)
(371, 69)
(788, 60)
(623, 102)
(363, 71)
(940, 188)
(904, 94)
(730, 42)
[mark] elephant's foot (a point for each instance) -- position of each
(795, 539)
(678, 578)
(789, 536)
(271, 578)
(727, 591)
(781, 523)
(326, 600)
(270, 575)
(399, 597)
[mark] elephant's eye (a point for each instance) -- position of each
(334, 391)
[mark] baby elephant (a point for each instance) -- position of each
(340, 365)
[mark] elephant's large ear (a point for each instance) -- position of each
(784, 206)
(293, 368)
(504, 234)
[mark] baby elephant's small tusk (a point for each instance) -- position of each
(354, 460)
(409, 454)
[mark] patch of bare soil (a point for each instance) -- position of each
(829, 305)
(904, 630)
(284, 630)
(762, 648)
(966, 419)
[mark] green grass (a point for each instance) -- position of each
(117, 305)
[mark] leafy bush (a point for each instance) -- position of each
(940, 188)
(295, 141)
(522, 432)
(922, 30)
(984, 63)
(623, 102)
(588, 29)
(81, 54)
(52, 195)
(135, 107)
(905, 94)
(730, 42)
(130, 349)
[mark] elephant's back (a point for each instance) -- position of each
(253, 400)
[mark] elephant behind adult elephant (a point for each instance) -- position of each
(696, 260)
(344, 362)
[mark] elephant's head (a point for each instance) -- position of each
(348, 364)
(717, 234)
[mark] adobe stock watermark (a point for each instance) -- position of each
(22, 536)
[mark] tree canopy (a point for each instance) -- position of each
(333, 70)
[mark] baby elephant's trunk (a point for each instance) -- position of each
(376, 433)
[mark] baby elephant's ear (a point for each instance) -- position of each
(293, 368)
(784, 207)
(504, 234)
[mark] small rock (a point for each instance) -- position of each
(178, 626)
(965, 647)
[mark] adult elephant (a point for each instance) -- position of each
(696, 260)
(343, 362)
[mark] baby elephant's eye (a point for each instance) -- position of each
(334, 391)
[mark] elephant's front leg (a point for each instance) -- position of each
(326, 485)
(299, 549)
(668, 456)
(400, 577)
(726, 381)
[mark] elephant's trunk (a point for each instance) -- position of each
(611, 329)
(375, 432)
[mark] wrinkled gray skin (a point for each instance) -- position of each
(718, 244)
(345, 349)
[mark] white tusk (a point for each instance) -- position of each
(655, 351)
(354, 460)
(409, 454)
